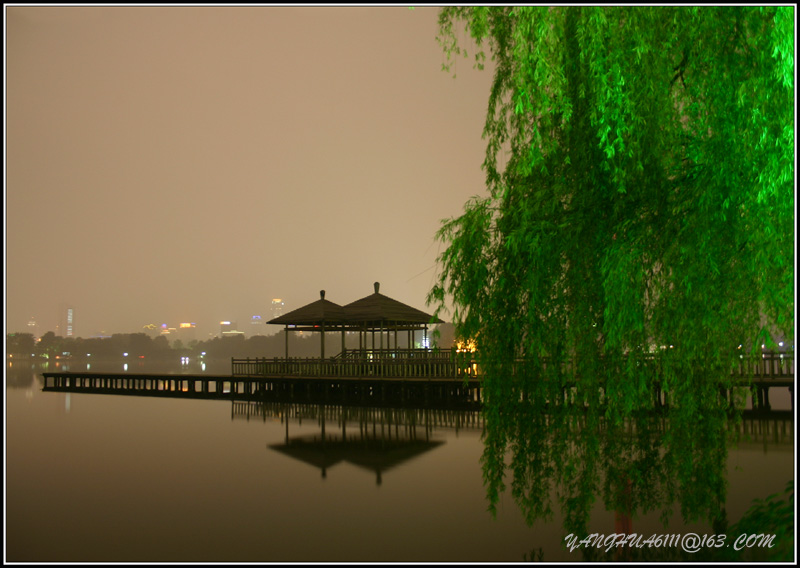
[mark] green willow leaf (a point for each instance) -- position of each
(646, 209)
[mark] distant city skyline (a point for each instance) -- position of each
(67, 326)
(162, 328)
(254, 324)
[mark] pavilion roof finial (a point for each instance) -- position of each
(322, 294)
(377, 287)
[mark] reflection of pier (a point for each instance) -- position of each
(757, 428)
(401, 404)
(762, 429)
(377, 417)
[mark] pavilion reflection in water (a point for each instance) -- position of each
(376, 439)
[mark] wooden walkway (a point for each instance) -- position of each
(775, 368)
(381, 391)
(377, 377)
(260, 399)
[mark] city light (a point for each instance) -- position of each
(467, 346)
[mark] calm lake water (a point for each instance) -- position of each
(112, 478)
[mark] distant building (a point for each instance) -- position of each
(257, 326)
(66, 321)
(233, 333)
(151, 329)
(187, 331)
(276, 311)
(166, 330)
(33, 328)
(228, 328)
(277, 308)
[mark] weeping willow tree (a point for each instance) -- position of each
(647, 199)
(640, 199)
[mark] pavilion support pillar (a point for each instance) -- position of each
(286, 336)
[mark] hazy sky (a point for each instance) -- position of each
(189, 164)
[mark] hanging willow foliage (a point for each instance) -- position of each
(646, 206)
(647, 199)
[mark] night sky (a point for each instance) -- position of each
(189, 164)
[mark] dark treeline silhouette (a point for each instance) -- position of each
(143, 346)
(52, 346)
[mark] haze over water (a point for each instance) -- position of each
(129, 478)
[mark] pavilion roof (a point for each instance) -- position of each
(372, 310)
(315, 313)
(379, 308)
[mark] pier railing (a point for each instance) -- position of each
(367, 363)
(421, 363)
(768, 366)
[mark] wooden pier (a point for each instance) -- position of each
(374, 377)
(373, 391)
(440, 402)
(757, 373)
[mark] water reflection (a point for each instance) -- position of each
(562, 464)
(376, 439)
(20, 375)
(671, 461)
(373, 438)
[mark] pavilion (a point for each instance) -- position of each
(322, 315)
(379, 313)
(371, 314)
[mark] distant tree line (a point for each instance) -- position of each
(143, 346)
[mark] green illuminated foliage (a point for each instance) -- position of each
(647, 199)
(640, 195)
